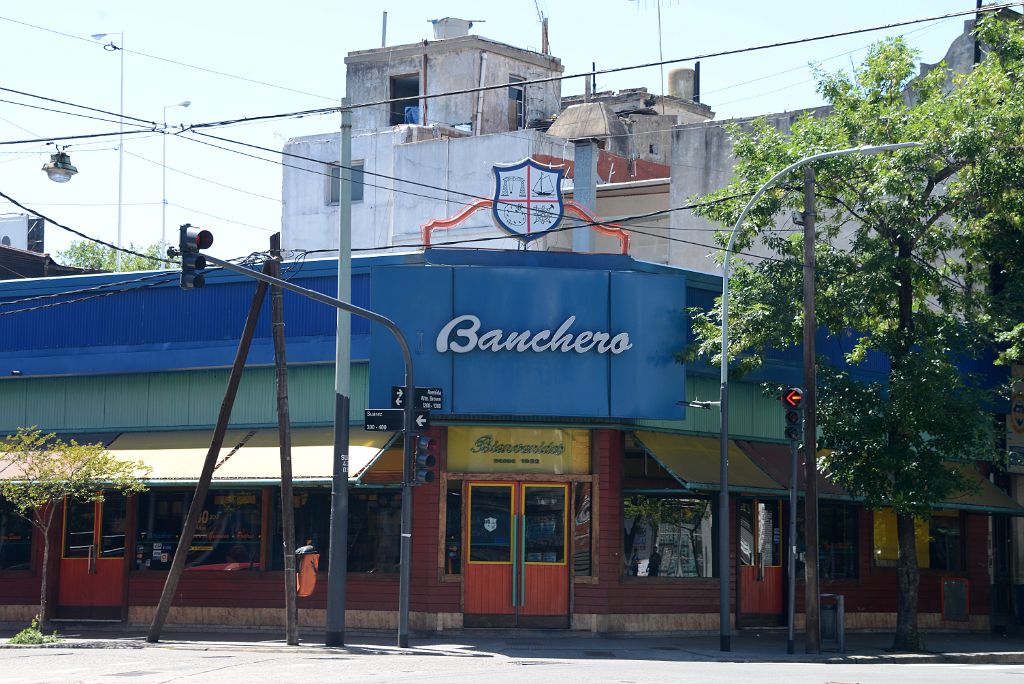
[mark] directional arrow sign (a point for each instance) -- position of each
(793, 397)
(430, 398)
(421, 420)
(384, 420)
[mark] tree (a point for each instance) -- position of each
(40, 472)
(902, 247)
(97, 257)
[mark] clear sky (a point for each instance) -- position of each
(239, 59)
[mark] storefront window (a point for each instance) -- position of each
(226, 538)
(15, 540)
(374, 528)
(581, 539)
(939, 540)
(668, 536)
(453, 529)
(837, 541)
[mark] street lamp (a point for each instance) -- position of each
(163, 166)
(723, 498)
(59, 168)
(120, 138)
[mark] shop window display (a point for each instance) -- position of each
(837, 541)
(668, 536)
(939, 540)
(15, 540)
(374, 534)
(226, 538)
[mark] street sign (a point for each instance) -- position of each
(429, 398)
(384, 420)
(793, 397)
(393, 420)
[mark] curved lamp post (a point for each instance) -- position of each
(163, 169)
(723, 498)
(110, 47)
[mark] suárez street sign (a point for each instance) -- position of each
(393, 420)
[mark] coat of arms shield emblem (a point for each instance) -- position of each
(490, 524)
(527, 200)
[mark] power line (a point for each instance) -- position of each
(89, 297)
(84, 290)
(200, 178)
(221, 218)
(78, 232)
(172, 61)
(602, 72)
(72, 104)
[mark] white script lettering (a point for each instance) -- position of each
(462, 334)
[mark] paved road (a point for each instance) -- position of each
(253, 663)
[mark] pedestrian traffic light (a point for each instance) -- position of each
(424, 460)
(191, 240)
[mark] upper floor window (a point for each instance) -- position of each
(405, 91)
(334, 193)
(516, 103)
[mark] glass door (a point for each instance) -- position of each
(760, 559)
(516, 567)
(90, 583)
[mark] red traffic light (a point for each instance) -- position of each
(793, 397)
(197, 238)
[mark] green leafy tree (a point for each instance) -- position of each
(903, 244)
(97, 257)
(39, 472)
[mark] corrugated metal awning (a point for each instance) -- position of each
(694, 463)
(774, 459)
(986, 497)
(253, 456)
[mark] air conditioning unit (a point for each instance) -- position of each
(21, 231)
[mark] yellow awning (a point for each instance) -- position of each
(986, 497)
(253, 456)
(694, 462)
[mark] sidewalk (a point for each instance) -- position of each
(747, 645)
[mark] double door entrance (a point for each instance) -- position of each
(517, 549)
(91, 580)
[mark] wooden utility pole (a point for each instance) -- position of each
(203, 486)
(284, 433)
(812, 609)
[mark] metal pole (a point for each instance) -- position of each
(199, 498)
(284, 435)
(120, 164)
(337, 563)
(811, 589)
(163, 187)
(791, 607)
(405, 567)
(723, 509)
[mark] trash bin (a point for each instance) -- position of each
(832, 622)
(307, 563)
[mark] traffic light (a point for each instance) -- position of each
(793, 399)
(190, 241)
(424, 460)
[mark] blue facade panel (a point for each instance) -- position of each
(540, 341)
(655, 307)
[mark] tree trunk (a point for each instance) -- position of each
(908, 580)
(45, 518)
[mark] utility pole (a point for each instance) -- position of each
(284, 435)
(812, 612)
(337, 560)
(203, 486)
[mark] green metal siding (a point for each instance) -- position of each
(751, 414)
(179, 400)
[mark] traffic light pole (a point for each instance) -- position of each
(409, 415)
